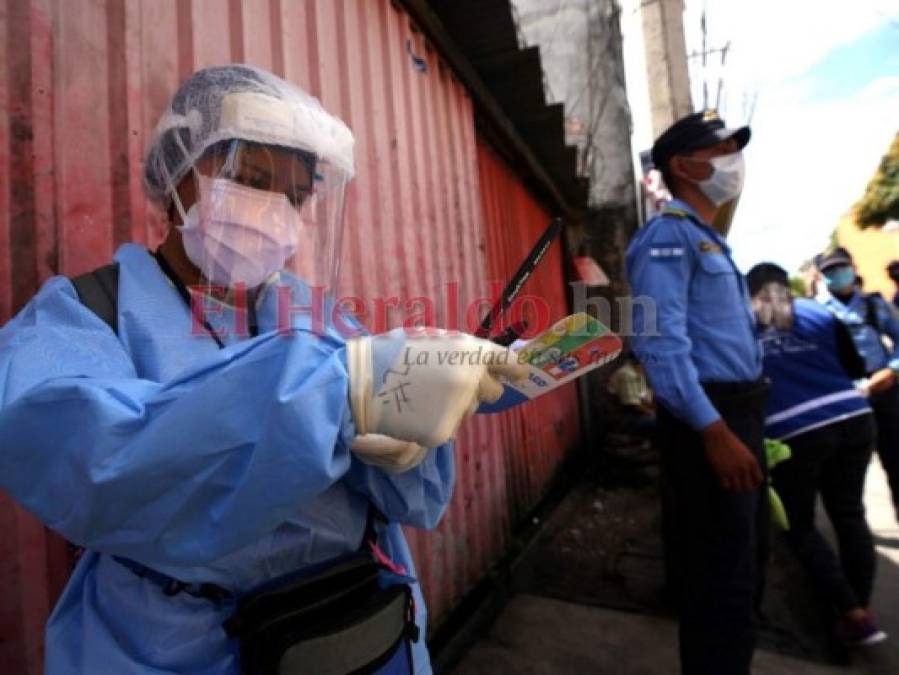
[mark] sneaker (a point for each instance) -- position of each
(859, 632)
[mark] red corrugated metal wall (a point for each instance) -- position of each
(432, 210)
(537, 434)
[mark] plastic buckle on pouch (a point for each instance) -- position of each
(413, 632)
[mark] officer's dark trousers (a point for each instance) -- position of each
(831, 460)
(716, 540)
(886, 412)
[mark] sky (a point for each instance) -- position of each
(819, 83)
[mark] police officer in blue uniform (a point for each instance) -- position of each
(697, 341)
(875, 330)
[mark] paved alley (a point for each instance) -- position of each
(579, 608)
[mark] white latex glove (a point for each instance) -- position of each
(389, 454)
(420, 388)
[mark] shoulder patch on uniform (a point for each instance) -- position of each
(666, 251)
(709, 247)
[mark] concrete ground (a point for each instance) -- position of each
(571, 614)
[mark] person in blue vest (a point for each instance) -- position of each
(816, 409)
(874, 326)
(695, 335)
(219, 437)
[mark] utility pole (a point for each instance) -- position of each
(666, 62)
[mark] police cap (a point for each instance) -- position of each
(839, 256)
(695, 131)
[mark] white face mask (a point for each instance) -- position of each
(237, 234)
(726, 181)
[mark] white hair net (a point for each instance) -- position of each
(241, 102)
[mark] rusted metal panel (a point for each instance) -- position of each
(480, 39)
(433, 215)
(542, 430)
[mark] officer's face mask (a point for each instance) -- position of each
(839, 279)
(726, 181)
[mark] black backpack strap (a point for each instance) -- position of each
(99, 292)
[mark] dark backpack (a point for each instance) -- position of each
(99, 291)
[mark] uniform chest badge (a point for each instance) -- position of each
(709, 247)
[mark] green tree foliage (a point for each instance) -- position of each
(881, 199)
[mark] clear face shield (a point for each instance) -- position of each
(259, 209)
(773, 306)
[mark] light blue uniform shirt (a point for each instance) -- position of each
(704, 330)
(854, 314)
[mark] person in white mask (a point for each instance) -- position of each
(180, 417)
(703, 359)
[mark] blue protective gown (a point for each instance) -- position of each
(229, 466)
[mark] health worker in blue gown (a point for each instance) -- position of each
(201, 439)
